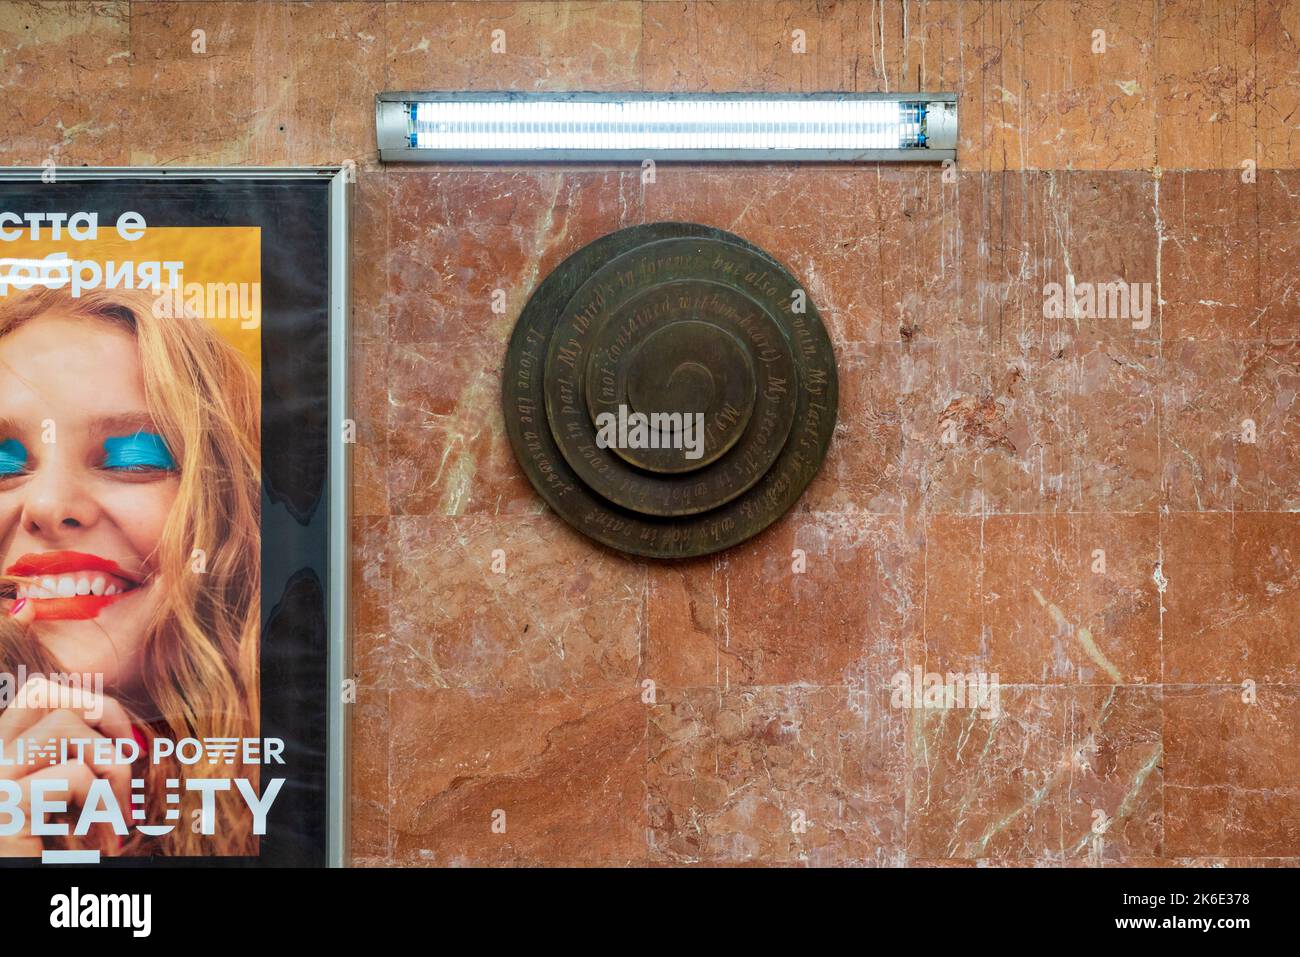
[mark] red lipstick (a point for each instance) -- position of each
(55, 563)
(77, 607)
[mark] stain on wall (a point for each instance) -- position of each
(1100, 509)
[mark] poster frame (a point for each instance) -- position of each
(338, 611)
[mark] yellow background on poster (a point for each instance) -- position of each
(211, 254)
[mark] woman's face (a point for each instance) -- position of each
(85, 489)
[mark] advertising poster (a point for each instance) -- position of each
(165, 520)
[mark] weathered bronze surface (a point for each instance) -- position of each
(663, 321)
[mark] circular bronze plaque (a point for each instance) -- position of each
(670, 390)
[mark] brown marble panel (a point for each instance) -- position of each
(447, 449)
(841, 620)
(370, 803)
(225, 97)
(368, 370)
(1209, 256)
(1205, 84)
(1277, 68)
(1000, 256)
(540, 46)
(774, 776)
(371, 206)
(563, 773)
(64, 73)
(371, 599)
(337, 59)
(1043, 99)
(456, 239)
(1025, 236)
(1032, 783)
(1279, 253)
(1040, 431)
(1028, 598)
(1230, 772)
(686, 617)
(1229, 421)
(720, 626)
(921, 254)
(752, 45)
(1232, 862)
(1233, 599)
(1108, 237)
(255, 83)
(511, 604)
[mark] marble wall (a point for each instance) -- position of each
(984, 457)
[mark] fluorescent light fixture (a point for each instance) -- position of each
(719, 127)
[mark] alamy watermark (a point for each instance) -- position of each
(657, 430)
(76, 691)
(1102, 300)
(976, 690)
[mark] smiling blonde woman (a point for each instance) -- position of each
(130, 544)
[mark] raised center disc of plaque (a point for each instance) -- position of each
(670, 390)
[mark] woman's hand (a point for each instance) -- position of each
(49, 719)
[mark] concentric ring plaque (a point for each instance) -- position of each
(670, 390)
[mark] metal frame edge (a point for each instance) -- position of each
(340, 664)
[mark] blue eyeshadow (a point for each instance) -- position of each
(13, 457)
(143, 450)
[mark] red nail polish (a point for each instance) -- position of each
(18, 606)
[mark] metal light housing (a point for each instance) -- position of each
(448, 127)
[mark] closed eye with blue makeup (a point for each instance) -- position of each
(139, 452)
(13, 458)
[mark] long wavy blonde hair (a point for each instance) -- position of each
(200, 658)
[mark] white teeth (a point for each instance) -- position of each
(69, 586)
